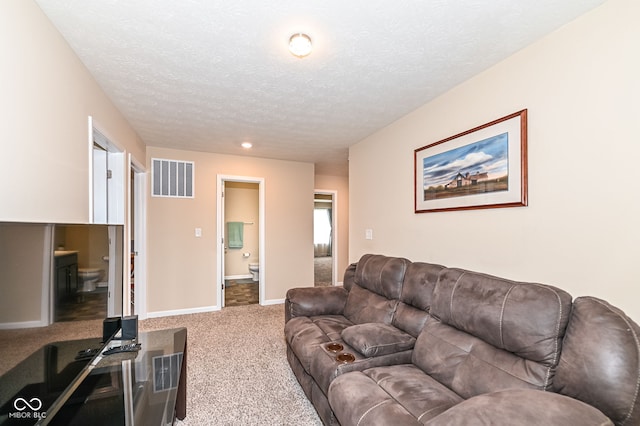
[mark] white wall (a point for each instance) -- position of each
(581, 86)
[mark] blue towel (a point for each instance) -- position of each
(234, 234)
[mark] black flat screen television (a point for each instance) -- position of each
(54, 279)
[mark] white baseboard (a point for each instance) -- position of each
(237, 277)
(159, 314)
(23, 324)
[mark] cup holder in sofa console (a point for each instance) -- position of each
(334, 347)
(345, 358)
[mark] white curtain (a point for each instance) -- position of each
(322, 232)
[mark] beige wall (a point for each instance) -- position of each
(182, 272)
(241, 201)
(22, 271)
(581, 86)
(90, 241)
(341, 185)
(47, 97)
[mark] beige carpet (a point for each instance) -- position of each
(322, 272)
(237, 369)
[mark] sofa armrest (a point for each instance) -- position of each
(377, 339)
(521, 407)
(310, 301)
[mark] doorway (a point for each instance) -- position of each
(86, 280)
(325, 247)
(135, 296)
(240, 230)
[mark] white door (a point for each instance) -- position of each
(114, 297)
(100, 170)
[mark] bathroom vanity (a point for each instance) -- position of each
(66, 274)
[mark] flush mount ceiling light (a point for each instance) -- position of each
(246, 145)
(300, 45)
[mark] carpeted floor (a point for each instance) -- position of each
(322, 271)
(238, 373)
(237, 368)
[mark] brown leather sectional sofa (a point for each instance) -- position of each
(411, 343)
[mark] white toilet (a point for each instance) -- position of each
(254, 268)
(88, 278)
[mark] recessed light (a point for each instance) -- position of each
(246, 145)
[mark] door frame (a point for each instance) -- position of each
(137, 197)
(220, 180)
(334, 230)
(116, 250)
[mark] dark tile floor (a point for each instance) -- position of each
(85, 306)
(241, 292)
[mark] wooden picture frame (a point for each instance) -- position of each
(482, 168)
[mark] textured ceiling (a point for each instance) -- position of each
(206, 75)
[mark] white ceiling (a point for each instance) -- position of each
(206, 75)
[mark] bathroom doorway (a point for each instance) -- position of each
(240, 231)
(324, 238)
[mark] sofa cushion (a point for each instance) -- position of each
(527, 319)
(521, 407)
(349, 276)
(375, 339)
(331, 325)
(398, 394)
(419, 282)
(600, 360)
(308, 301)
(376, 288)
(382, 275)
(366, 306)
(490, 334)
(470, 366)
(415, 298)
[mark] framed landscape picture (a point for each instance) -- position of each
(485, 167)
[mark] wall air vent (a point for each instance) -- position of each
(171, 178)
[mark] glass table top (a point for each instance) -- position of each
(67, 383)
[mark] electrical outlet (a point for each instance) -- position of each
(368, 234)
(198, 232)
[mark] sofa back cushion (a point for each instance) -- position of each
(491, 333)
(376, 288)
(415, 300)
(600, 360)
(349, 276)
